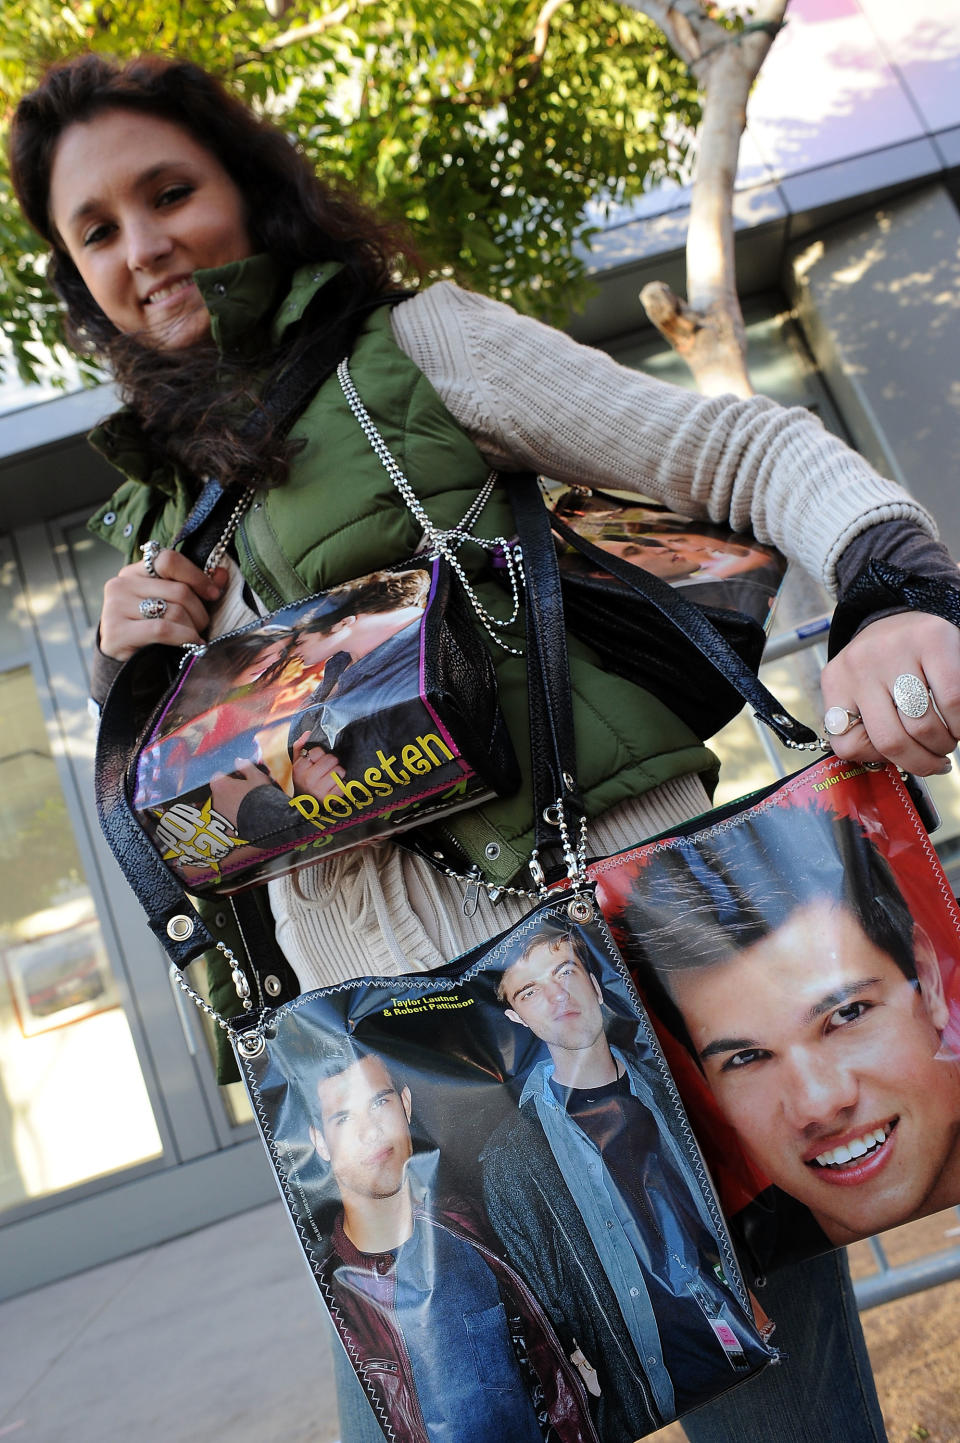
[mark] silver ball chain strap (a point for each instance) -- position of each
(440, 542)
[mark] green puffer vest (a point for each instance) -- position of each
(339, 516)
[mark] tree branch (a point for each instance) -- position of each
(314, 27)
(541, 31)
(689, 30)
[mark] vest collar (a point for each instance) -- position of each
(240, 297)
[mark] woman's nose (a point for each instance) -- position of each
(147, 243)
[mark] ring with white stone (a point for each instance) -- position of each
(911, 696)
(152, 608)
(837, 720)
(150, 550)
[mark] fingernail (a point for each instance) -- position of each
(947, 767)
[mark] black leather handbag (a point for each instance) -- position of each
(608, 604)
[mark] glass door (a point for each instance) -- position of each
(109, 1113)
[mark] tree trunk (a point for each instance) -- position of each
(707, 328)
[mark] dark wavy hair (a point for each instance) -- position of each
(701, 904)
(192, 402)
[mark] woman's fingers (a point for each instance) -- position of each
(169, 606)
(313, 768)
(901, 677)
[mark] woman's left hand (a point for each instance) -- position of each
(861, 678)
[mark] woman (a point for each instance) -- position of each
(188, 239)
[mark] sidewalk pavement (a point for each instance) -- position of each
(214, 1336)
(219, 1337)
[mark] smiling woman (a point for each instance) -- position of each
(200, 257)
(140, 206)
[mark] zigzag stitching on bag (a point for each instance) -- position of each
(928, 849)
(692, 1147)
(618, 858)
(305, 1241)
(353, 1353)
(423, 979)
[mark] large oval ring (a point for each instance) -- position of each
(150, 550)
(837, 720)
(152, 608)
(911, 696)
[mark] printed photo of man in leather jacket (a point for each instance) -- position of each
(404, 1269)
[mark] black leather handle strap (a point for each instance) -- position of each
(173, 918)
(552, 743)
(879, 586)
(699, 630)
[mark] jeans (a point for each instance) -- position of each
(822, 1391)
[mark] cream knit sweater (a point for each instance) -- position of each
(531, 398)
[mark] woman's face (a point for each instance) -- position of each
(140, 205)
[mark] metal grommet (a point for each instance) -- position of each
(109, 517)
(551, 815)
(128, 529)
(272, 986)
(781, 718)
(220, 920)
(219, 289)
(492, 851)
(179, 928)
(252, 1045)
(568, 781)
(579, 909)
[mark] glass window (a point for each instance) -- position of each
(73, 1105)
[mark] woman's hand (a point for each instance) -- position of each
(187, 591)
(314, 769)
(860, 678)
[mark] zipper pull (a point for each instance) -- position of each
(471, 898)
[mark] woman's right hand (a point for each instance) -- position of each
(187, 591)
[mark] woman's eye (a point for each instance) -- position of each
(173, 193)
(95, 235)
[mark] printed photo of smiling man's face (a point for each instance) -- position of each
(826, 1058)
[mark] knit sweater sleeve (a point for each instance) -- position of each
(530, 397)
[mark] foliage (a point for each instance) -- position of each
(502, 150)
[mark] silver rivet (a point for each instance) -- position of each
(780, 718)
(251, 1046)
(109, 518)
(492, 851)
(219, 289)
(128, 529)
(272, 986)
(179, 928)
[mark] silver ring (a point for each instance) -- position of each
(837, 720)
(150, 550)
(152, 608)
(911, 696)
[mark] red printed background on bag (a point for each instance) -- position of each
(801, 960)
